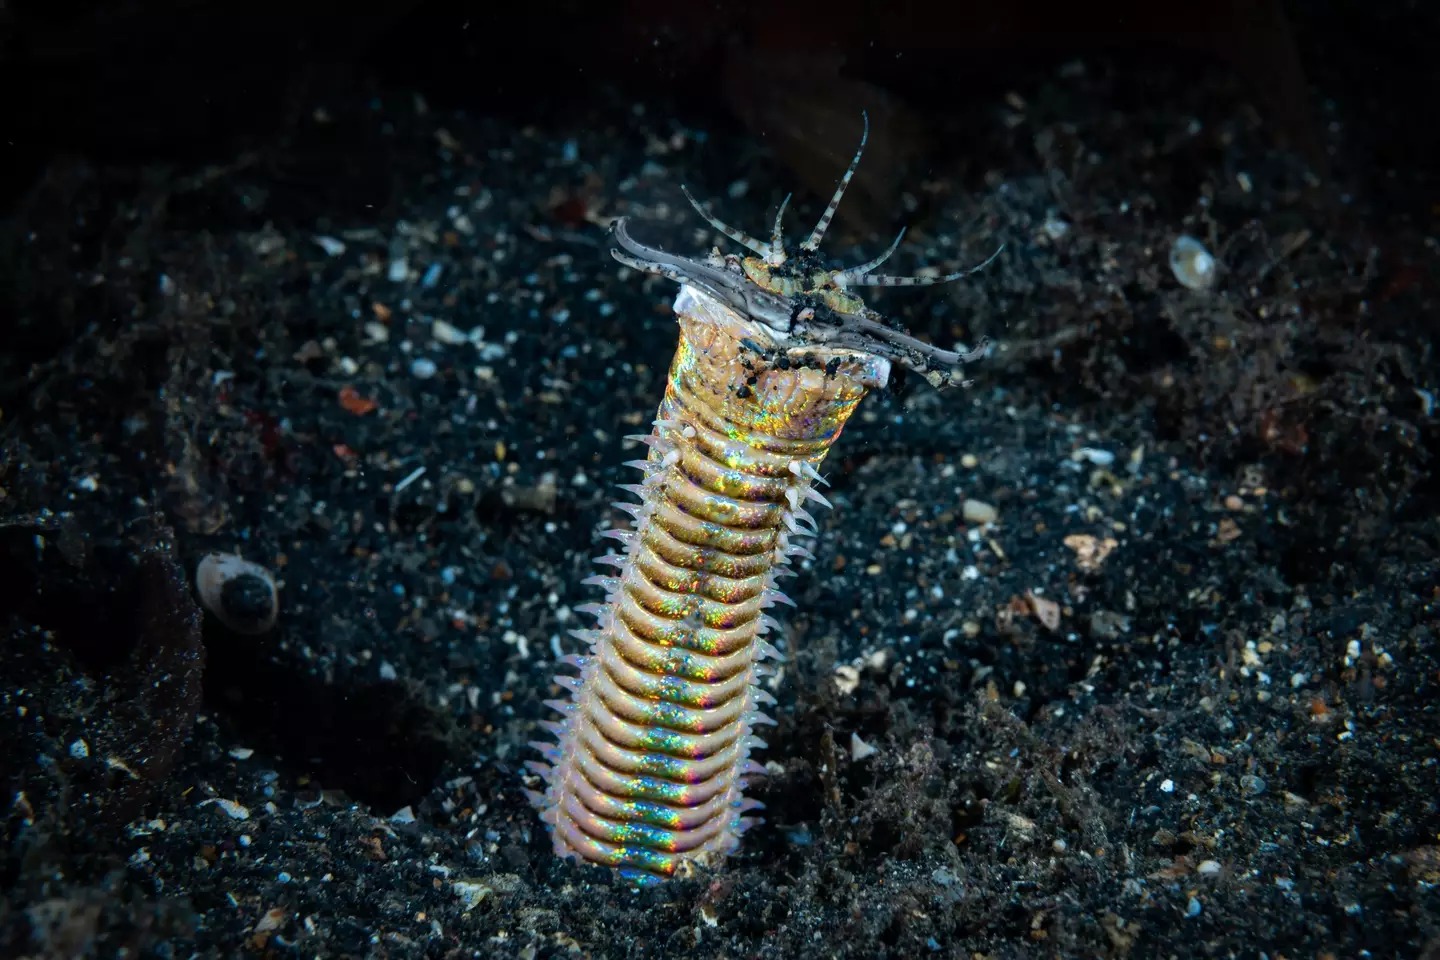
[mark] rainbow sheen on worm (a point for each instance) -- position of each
(652, 750)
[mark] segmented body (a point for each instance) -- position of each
(652, 750)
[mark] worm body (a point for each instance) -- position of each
(652, 749)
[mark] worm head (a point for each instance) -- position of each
(794, 300)
(722, 278)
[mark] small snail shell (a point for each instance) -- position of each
(239, 593)
(1192, 264)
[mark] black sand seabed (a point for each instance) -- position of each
(1223, 744)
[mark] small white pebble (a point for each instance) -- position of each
(1167, 785)
(388, 672)
(1101, 458)
(1208, 867)
(80, 750)
(448, 333)
(241, 753)
(978, 511)
(270, 922)
(423, 368)
(1054, 227)
(230, 808)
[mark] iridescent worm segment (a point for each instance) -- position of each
(653, 747)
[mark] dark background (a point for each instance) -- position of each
(177, 80)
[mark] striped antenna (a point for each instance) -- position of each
(843, 278)
(739, 236)
(811, 244)
(879, 280)
(777, 237)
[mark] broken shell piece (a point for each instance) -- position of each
(1046, 611)
(1191, 263)
(847, 679)
(239, 593)
(1090, 551)
(859, 749)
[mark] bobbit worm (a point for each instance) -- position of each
(652, 749)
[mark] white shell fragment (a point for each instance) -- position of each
(231, 809)
(860, 750)
(241, 594)
(847, 679)
(1191, 263)
(1095, 455)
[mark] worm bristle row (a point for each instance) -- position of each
(652, 748)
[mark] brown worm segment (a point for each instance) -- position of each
(652, 748)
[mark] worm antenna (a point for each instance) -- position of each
(777, 236)
(739, 236)
(812, 243)
(880, 280)
(845, 277)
